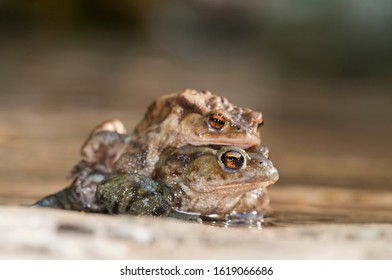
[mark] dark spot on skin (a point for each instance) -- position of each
(115, 207)
(196, 155)
(184, 159)
(130, 203)
(176, 200)
(189, 107)
(223, 176)
(174, 195)
(159, 211)
(168, 103)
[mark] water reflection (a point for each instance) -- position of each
(296, 218)
(235, 220)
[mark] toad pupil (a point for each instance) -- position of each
(232, 160)
(216, 121)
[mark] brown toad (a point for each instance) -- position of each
(193, 181)
(188, 118)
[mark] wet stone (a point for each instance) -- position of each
(31, 233)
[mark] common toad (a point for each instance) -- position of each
(188, 118)
(194, 181)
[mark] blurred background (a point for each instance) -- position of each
(320, 71)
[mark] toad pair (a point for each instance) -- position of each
(193, 154)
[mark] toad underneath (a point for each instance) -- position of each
(189, 182)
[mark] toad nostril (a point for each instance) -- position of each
(263, 163)
(260, 124)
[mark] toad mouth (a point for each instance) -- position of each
(240, 187)
(249, 141)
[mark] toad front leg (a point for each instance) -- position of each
(136, 194)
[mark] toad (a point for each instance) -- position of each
(188, 118)
(190, 182)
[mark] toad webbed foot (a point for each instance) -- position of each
(79, 196)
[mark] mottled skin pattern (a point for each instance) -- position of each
(172, 121)
(136, 194)
(80, 195)
(176, 120)
(102, 148)
(194, 180)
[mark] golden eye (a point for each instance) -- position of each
(216, 121)
(232, 160)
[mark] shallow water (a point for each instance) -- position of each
(298, 218)
(321, 205)
(277, 219)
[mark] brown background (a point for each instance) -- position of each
(320, 74)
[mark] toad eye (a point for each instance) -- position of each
(216, 121)
(232, 160)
